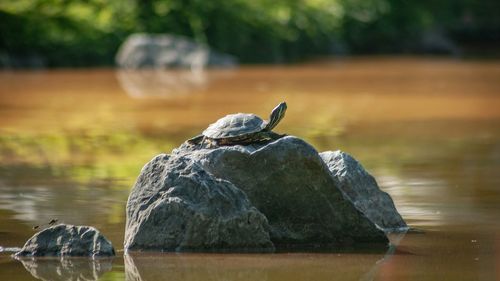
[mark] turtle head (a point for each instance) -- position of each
(276, 115)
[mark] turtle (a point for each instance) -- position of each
(242, 128)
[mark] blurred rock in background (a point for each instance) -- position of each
(142, 50)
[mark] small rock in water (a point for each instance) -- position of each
(67, 240)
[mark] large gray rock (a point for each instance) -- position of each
(176, 205)
(242, 197)
(361, 188)
(67, 240)
(143, 50)
(290, 184)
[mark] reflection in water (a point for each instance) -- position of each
(78, 269)
(405, 189)
(395, 239)
(29, 202)
(156, 83)
(32, 205)
(9, 249)
(242, 267)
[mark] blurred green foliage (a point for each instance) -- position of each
(89, 32)
(63, 32)
(388, 26)
(80, 157)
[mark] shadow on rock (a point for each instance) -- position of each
(81, 269)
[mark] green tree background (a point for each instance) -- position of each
(89, 32)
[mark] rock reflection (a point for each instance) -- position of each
(395, 239)
(243, 267)
(73, 269)
(157, 83)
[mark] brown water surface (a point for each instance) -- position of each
(73, 141)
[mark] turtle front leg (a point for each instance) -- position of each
(196, 140)
(200, 141)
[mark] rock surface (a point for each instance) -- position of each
(143, 50)
(176, 205)
(244, 197)
(67, 240)
(362, 189)
(290, 184)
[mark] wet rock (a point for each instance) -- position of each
(176, 205)
(290, 184)
(362, 189)
(242, 197)
(143, 50)
(67, 269)
(67, 240)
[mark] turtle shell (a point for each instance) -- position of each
(235, 125)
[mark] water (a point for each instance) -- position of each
(73, 141)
